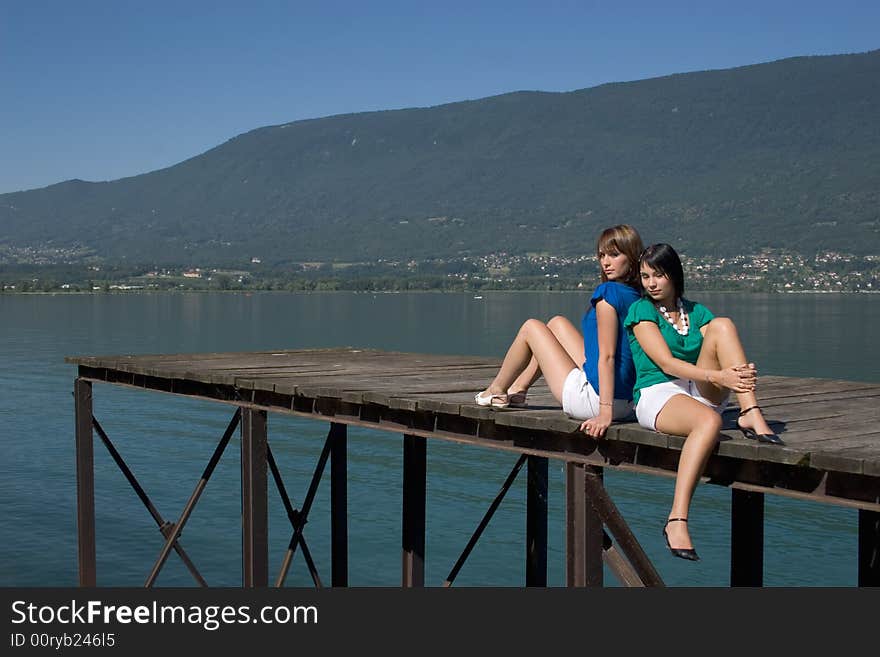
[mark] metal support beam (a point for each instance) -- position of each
(295, 517)
(177, 528)
(338, 505)
(485, 521)
(641, 567)
(303, 516)
(85, 483)
(587, 543)
(165, 527)
(869, 548)
(584, 535)
(746, 538)
(414, 486)
(254, 499)
(536, 522)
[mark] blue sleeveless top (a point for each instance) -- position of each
(620, 297)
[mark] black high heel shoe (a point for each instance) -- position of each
(751, 434)
(682, 553)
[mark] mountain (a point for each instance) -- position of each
(782, 154)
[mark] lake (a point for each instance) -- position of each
(167, 441)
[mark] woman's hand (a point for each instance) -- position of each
(595, 427)
(739, 378)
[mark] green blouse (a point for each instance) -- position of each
(684, 347)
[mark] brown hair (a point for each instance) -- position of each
(626, 239)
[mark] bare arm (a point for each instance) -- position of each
(655, 347)
(606, 329)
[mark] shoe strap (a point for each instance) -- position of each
(750, 408)
(676, 520)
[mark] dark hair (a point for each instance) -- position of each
(626, 240)
(662, 258)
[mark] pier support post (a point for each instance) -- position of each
(584, 536)
(536, 522)
(414, 487)
(85, 482)
(254, 499)
(869, 548)
(338, 505)
(746, 538)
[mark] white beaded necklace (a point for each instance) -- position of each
(683, 330)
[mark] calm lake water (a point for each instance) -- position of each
(167, 441)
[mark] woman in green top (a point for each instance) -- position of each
(687, 362)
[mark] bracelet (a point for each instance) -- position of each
(601, 403)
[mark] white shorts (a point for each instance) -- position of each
(581, 402)
(654, 398)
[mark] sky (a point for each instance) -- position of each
(100, 90)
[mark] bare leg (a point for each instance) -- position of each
(722, 348)
(685, 416)
(534, 339)
(570, 339)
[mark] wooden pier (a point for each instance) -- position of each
(831, 430)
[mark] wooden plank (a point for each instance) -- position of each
(189, 357)
(377, 371)
(801, 407)
(820, 416)
(440, 382)
(734, 445)
(413, 387)
(442, 401)
(828, 436)
(461, 403)
(871, 465)
(863, 449)
(777, 385)
(795, 386)
(374, 374)
(539, 420)
(828, 410)
(838, 462)
(346, 357)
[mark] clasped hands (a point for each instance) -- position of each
(739, 378)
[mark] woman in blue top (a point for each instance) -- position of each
(591, 375)
(687, 361)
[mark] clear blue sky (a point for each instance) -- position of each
(101, 90)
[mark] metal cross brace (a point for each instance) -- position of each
(302, 517)
(177, 528)
(164, 526)
(297, 519)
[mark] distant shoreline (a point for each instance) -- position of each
(343, 291)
